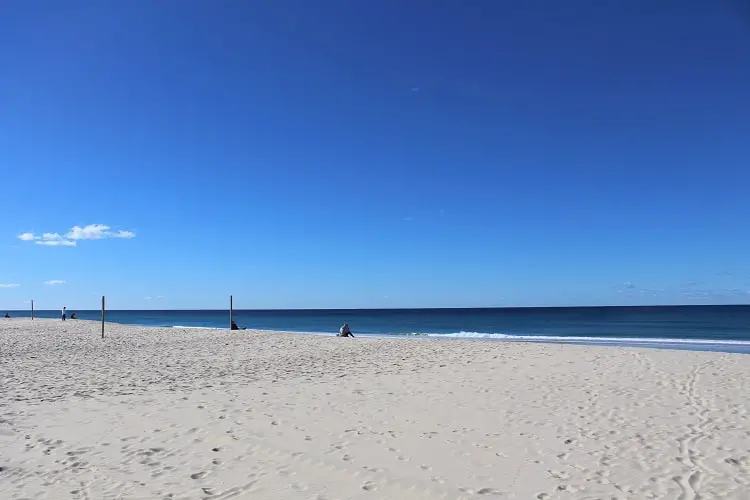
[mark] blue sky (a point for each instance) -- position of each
(374, 154)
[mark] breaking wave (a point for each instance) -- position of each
(588, 340)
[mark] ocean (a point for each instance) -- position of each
(716, 328)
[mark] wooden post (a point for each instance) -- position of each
(102, 316)
(231, 311)
(32, 309)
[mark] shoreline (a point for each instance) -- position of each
(224, 414)
(683, 344)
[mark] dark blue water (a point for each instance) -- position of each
(694, 327)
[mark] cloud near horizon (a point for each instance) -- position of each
(76, 233)
(692, 290)
(55, 282)
(9, 285)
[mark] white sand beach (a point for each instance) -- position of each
(177, 413)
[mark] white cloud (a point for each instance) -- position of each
(146, 298)
(714, 293)
(69, 239)
(160, 297)
(55, 282)
(9, 285)
(96, 232)
(57, 243)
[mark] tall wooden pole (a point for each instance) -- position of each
(102, 316)
(231, 311)
(32, 309)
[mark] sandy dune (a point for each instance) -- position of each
(169, 413)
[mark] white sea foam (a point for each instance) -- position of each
(597, 340)
(198, 327)
(632, 341)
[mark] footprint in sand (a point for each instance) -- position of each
(300, 486)
(559, 474)
(369, 486)
(487, 491)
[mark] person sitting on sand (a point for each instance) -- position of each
(73, 316)
(235, 327)
(7, 315)
(344, 331)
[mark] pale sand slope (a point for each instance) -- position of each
(167, 413)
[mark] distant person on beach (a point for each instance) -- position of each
(72, 315)
(64, 313)
(7, 315)
(235, 327)
(345, 331)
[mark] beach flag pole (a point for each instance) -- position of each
(102, 316)
(32, 309)
(231, 310)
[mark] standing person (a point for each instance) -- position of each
(344, 331)
(64, 313)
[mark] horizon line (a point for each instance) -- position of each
(610, 306)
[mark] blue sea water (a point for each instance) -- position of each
(717, 328)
